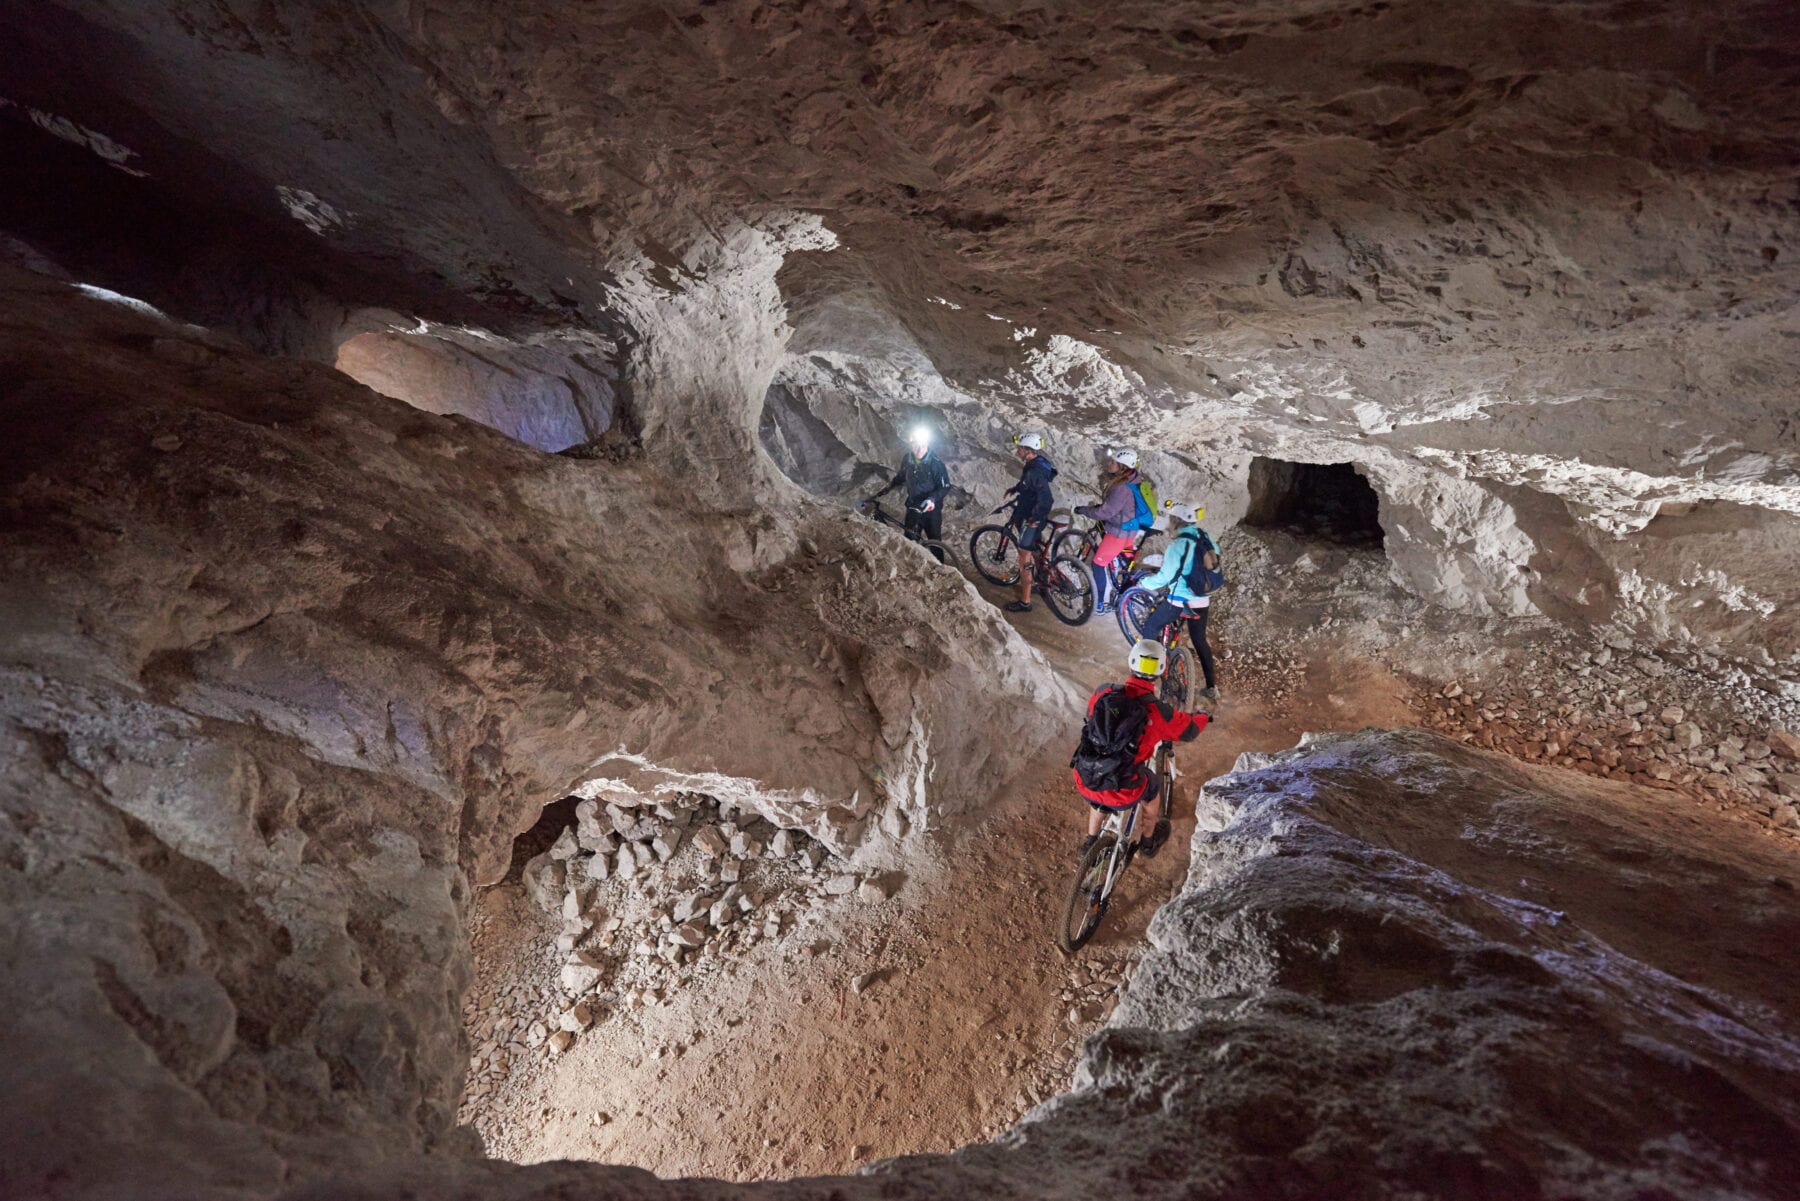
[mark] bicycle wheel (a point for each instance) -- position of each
(1135, 607)
(995, 555)
(1069, 590)
(1087, 897)
(937, 551)
(1176, 688)
(1079, 544)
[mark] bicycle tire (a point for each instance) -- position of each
(1134, 609)
(1176, 688)
(1087, 897)
(1068, 589)
(994, 554)
(1085, 544)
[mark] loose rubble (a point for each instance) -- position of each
(644, 901)
(1669, 716)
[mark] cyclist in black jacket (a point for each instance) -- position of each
(1030, 518)
(927, 483)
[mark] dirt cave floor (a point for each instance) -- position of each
(869, 1028)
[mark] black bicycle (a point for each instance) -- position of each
(883, 517)
(1136, 604)
(1113, 850)
(1062, 580)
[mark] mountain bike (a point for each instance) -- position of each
(1136, 562)
(1063, 581)
(883, 517)
(1176, 686)
(1113, 850)
(1080, 543)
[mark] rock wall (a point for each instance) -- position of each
(287, 666)
(558, 393)
(1530, 267)
(289, 663)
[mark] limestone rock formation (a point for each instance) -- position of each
(1530, 266)
(286, 661)
(288, 664)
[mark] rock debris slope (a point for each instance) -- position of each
(1402, 967)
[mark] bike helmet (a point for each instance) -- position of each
(1029, 441)
(1148, 658)
(1183, 513)
(919, 436)
(1124, 456)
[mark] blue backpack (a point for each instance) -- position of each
(1143, 497)
(1204, 574)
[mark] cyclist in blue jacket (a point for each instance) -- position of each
(1030, 518)
(1182, 602)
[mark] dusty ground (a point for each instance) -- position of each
(775, 1066)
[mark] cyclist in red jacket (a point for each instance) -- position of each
(1125, 724)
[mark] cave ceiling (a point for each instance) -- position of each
(1538, 244)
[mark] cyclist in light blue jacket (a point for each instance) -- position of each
(1182, 600)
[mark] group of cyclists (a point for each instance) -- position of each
(1125, 721)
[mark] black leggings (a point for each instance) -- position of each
(1165, 612)
(930, 525)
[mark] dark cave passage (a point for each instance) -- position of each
(1328, 501)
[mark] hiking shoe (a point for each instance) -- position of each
(1209, 693)
(1086, 845)
(1018, 607)
(1158, 836)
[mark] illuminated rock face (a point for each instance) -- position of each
(289, 664)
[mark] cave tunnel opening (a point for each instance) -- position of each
(1330, 502)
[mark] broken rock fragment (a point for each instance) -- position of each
(544, 882)
(580, 974)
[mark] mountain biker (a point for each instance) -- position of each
(1163, 723)
(1030, 519)
(1182, 602)
(1117, 508)
(927, 482)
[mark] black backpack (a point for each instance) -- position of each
(1204, 576)
(1106, 759)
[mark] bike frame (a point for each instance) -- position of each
(1123, 825)
(876, 510)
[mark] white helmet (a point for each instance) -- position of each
(1184, 513)
(1029, 441)
(1124, 456)
(1148, 658)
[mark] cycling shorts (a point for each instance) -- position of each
(1030, 534)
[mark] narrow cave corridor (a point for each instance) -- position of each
(463, 734)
